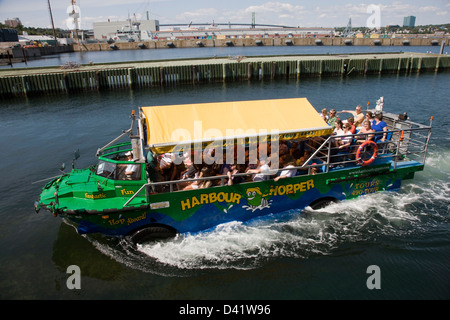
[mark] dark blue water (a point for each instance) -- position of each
(181, 53)
(322, 255)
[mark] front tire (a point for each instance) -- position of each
(152, 233)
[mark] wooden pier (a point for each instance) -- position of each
(143, 74)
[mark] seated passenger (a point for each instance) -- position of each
(261, 172)
(206, 172)
(303, 158)
(221, 168)
(369, 117)
(193, 172)
(365, 129)
(288, 163)
(338, 129)
(351, 121)
(304, 161)
(166, 167)
(357, 114)
(283, 148)
(131, 169)
(154, 173)
(295, 147)
(345, 142)
(379, 126)
(333, 117)
(236, 168)
(324, 115)
(297, 154)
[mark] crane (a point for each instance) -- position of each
(348, 32)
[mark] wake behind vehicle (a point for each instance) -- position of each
(180, 170)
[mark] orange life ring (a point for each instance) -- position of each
(372, 158)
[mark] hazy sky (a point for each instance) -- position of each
(318, 13)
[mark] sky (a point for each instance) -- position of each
(317, 13)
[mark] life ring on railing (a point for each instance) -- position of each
(361, 148)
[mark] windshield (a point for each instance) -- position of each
(119, 171)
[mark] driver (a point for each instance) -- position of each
(131, 168)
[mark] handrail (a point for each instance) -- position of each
(318, 149)
(392, 149)
(124, 133)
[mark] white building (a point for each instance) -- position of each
(230, 33)
(124, 30)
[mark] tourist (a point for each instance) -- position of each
(130, 169)
(379, 126)
(235, 169)
(288, 163)
(365, 129)
(369, 117)
(351, 121)
(332, 118)
(206, 172)
(261, 172)
(338, 130)
(357, 114)
(324, 115)
(345, 141)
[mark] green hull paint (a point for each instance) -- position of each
(107, 199)
(199, 209)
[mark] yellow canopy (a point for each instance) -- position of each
(169, 126)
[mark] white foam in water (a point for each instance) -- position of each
(243, 246)
(231, 245)
(237, 245)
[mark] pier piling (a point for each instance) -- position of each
(145, 74)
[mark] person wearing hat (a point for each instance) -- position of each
(131, 168)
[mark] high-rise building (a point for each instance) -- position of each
(409, 21)
(13, 22)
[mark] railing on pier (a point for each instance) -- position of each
(114, 76)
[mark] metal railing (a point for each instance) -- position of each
(402, 145)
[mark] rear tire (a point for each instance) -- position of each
(152, 233)
(322, 203)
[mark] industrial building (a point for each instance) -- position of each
(8, 35)
(230, 33)
(144, 30)
(124, 30)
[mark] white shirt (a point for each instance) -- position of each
(289, 173)
(263, 175)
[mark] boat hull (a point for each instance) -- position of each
(200, 209)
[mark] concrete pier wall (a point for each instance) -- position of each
(241, 42)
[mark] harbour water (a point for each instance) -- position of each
(296, 255)
(208, 52)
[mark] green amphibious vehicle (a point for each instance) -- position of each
(187, 168)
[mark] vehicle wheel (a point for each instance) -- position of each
(152, 233)
(322, 203)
